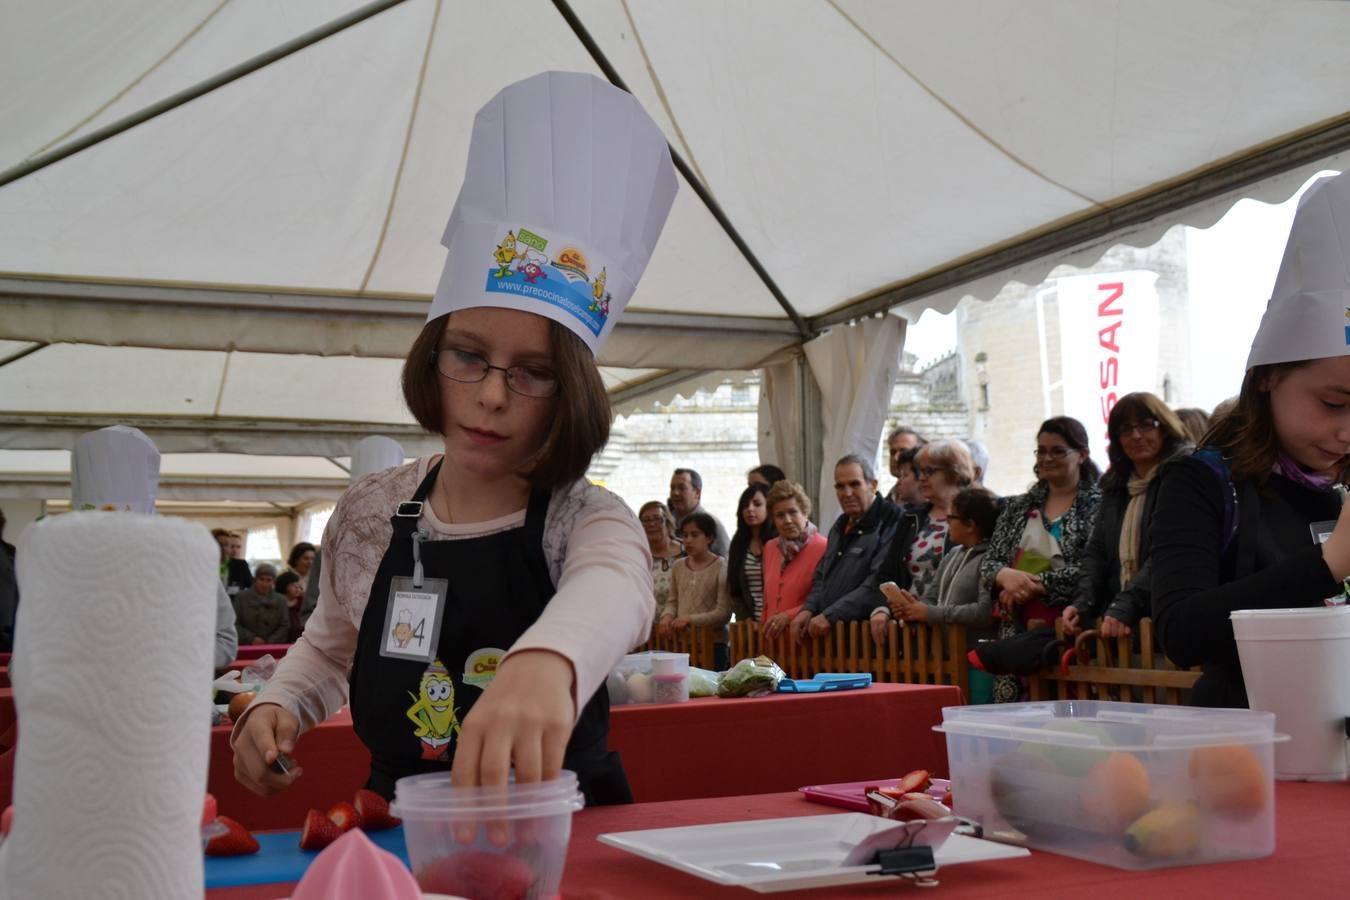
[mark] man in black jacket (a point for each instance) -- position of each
(234, 573)
(857, 544)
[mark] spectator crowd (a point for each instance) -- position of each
(936, 547)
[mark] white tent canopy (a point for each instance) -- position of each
(263, 254)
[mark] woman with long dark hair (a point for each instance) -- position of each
(745, 558)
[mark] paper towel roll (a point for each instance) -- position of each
(112, 673)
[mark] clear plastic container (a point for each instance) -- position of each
(508, 841)
(1130, 785)
(651, 677)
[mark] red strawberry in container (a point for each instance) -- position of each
(483, 876)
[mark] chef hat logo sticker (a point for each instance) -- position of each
(1308, 316)
(402, 631)
(481, 666)
(568, 186)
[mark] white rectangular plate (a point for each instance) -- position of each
(784, 854)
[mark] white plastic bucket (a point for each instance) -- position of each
(1296, 663)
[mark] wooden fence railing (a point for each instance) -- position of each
(1110, 669)
(914, 654)
(909, 655)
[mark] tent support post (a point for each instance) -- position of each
(810, 443)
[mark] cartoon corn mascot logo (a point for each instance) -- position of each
(599, 296)
(505, 254)
(433, 712)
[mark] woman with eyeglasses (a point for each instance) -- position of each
(659, 526)
(745, 558)
(1034, 559)
(921, 537)
(1114, 584)
(473, 602)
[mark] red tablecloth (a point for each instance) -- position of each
(1309, 860)
(718, 748)
(703, 748)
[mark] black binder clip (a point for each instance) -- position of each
(913, 863)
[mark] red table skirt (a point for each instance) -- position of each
(1309, 861)
(718, 748)
(703, 748)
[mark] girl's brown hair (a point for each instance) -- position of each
(580, 425)
(1246, 432)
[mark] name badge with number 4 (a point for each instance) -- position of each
(412, 619)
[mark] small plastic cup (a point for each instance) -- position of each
(487, 841)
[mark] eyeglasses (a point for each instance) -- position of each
(1140, 429)
(652, 520)
(928, 471)
(1053, 452)
(470, 368)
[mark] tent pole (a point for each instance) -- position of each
(810, 444)
(173, 101)
(579, 29)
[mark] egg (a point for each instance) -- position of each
(239, 703)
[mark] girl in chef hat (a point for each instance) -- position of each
(1253, 520)
(519, 578)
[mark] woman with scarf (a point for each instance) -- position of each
(1114, 582)
(789, 560)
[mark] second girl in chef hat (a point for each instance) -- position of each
(1241, 524)
(523, 583)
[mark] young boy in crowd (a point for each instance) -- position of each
(698, 587)
(955, 594)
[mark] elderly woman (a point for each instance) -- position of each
(260, 614)
(1035, 556)
(921, 538)
(659, 526)
(790, 559)
(1114, 583)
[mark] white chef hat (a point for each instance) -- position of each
(114, 468)
(567, 188)
(1308, 316)
(375, 454)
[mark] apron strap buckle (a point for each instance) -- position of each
(409, 509)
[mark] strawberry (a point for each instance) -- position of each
(916, 781)
(319, 831)
(234, 842)
(947, 797)
(374, 811)
(209, 810)
(344, 816)
(6, 821)
(473, 873)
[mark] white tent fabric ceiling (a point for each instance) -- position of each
(265, 252)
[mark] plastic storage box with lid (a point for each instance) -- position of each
(1130, 785)
(651, 677)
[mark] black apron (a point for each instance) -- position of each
(407, 712)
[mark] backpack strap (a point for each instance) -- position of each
(1217, 463)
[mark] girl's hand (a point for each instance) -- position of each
(663, 627)
(1336, 550)
(524, 717)
(915, 612)
(679, 624)
(267, 731)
